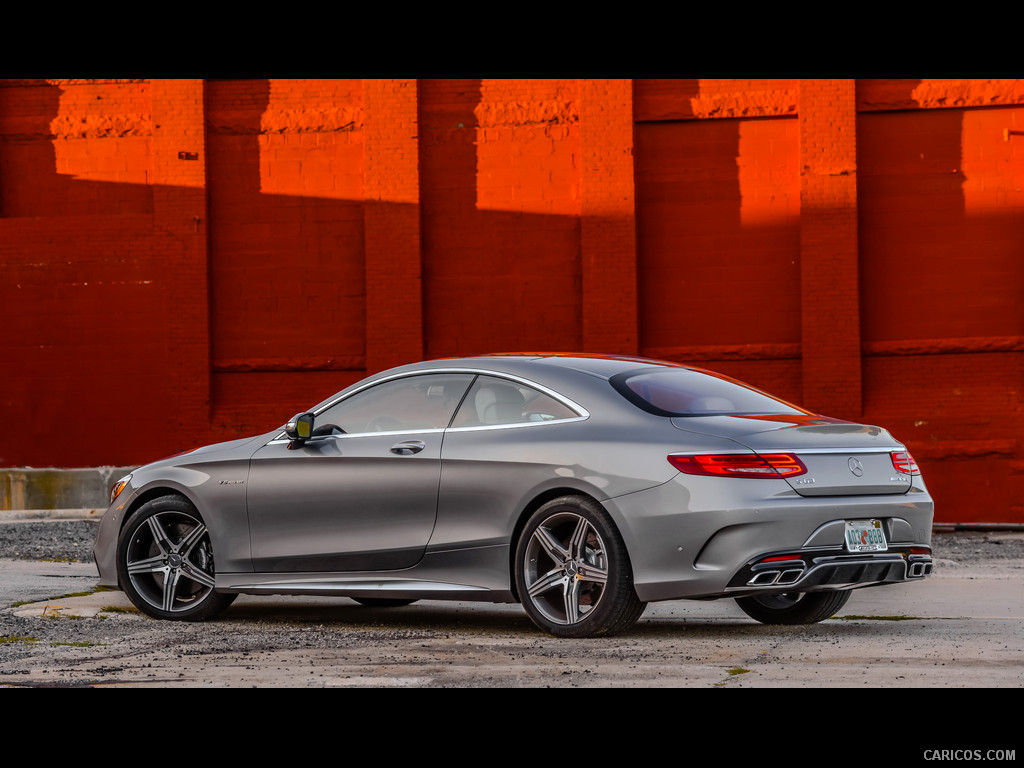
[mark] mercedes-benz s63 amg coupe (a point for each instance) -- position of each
(582, 487)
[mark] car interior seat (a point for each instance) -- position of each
(499, 404)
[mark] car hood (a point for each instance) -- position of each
(842, 457)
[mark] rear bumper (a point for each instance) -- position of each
(702, 540)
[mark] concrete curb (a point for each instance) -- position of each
(82, 606)
(30, 515)
(29, 488)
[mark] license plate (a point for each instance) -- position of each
(865, 536)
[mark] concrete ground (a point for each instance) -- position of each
(962, 627)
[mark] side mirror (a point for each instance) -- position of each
(299, 429)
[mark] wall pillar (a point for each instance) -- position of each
(830, 300)
(179, 218)
(394, 279)
(607, 217)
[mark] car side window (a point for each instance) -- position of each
(411, 402)
(492, 401)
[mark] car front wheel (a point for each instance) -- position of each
(794, 607)
(165, 562)
(573, 573)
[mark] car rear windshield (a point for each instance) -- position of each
(689, 392)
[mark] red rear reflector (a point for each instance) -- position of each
(771, 465)
(904, 463)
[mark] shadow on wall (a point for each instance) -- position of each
(100, 321)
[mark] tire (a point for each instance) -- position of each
(384, 602)
(165, 562)
(572, 571)
(794, 607)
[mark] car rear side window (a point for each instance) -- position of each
(493, 401)
(690, 392)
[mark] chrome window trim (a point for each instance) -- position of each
(280, 440)
(582, 413)
(407, 374)
(516, 424)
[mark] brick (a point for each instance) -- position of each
(200, 260)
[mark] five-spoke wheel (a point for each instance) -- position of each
(572, 571)
(165, 562)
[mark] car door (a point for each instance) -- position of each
(507, 440)
(362, 497)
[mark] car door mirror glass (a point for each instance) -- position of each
(299, 427)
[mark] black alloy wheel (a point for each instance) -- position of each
(573, 573)
(794, 607)
(165, 562)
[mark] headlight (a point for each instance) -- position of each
(115, 491)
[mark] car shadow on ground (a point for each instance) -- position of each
(440, 617)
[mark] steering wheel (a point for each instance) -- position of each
(327, 429)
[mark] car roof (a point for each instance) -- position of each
(559, 371)
(602, 366)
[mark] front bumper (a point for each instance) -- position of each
(105, 547)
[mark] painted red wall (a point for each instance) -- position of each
(186, 261)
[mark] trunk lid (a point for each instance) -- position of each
(842, 458)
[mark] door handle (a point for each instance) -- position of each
(408, 447)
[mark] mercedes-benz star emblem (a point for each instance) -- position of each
(856, 467)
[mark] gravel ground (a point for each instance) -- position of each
(452, 645)
(72, 540)
(66, 540)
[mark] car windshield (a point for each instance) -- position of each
(688, 392)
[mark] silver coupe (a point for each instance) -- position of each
(581, 486)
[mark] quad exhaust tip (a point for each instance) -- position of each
(917, 570)
(917, 567)
(768, 578)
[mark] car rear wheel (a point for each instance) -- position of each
(573, 573)
(165, 562)
(794, 607)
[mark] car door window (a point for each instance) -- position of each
(403, 404)
(493, 401)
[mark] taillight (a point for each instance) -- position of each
(770, 465)
(904, 462)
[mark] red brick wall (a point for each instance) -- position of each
(186, 261)
(941, 213)
(500, 205)
(288, 273)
